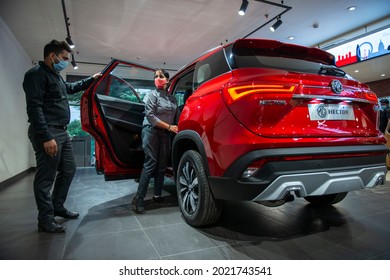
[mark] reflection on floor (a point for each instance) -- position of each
(356, 228)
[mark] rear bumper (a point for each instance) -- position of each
(277, 179)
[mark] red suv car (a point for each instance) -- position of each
(261, 121)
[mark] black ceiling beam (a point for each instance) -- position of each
(65, 17)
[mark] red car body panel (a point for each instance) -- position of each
(251, 109)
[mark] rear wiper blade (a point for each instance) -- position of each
(332, 71)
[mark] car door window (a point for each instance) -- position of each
(183, 88)
(127, 83)
(210, 68)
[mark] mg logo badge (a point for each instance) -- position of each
(321, 111)
(336, 86)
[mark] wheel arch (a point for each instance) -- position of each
(188, 140)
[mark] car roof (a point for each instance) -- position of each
(292, 50)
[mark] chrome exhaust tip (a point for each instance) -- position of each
(380, 180)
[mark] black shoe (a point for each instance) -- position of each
(138, 202)
(66, 214)
(158, 199)
(51, 227)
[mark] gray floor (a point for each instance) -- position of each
(356, 228)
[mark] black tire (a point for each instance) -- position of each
(326, 200)
(196, 202)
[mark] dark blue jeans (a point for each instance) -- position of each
(55, 171)
(156, 145)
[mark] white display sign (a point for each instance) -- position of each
(367, 47)
(319, 112)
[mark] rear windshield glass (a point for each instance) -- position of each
(250, 60)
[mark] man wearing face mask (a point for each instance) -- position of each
(384, 123)
(161, 115)
(49, 114)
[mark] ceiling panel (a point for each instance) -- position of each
(170, 33)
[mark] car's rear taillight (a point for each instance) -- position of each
(370, 96)
(234, 93)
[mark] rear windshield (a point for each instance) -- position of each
(249, 59)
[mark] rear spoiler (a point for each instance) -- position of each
(276, 48)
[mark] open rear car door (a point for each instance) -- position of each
(112, 111)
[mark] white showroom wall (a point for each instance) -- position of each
(16, 154)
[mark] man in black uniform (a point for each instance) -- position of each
(384, 116)
(49, 114)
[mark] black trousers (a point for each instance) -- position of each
(54, 174)
(156, 145)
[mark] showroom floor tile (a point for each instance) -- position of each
(356, 228)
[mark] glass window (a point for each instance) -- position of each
(249, 59)
(127, 82)
(210, 68)
(183, 88)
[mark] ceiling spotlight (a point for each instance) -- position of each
(352, 8)
(70, 42)
(243, 7)
(74, 64)
(291, 38)
(276, 25)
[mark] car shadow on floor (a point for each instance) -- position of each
(249, 221)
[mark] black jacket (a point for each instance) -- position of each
(47, 103)
(384, 118)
